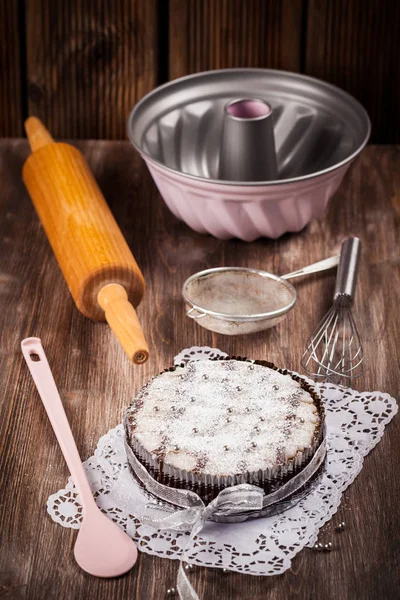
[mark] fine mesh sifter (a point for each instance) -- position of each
(237, 300)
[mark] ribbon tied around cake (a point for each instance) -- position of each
(243, 497)
(183, 510)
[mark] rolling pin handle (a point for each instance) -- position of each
(37, 134)
(124, 322)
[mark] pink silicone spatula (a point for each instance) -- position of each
(102, 548)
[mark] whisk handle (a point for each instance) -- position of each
(348, 268)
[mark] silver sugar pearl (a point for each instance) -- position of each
(171, 591)
(173, 408)
(188, 567)
(226, 448)
(239, 389)
(176, 448)
(275, 387)
(230, 410)
(302, 420)
(253, 445)
(205, 376)
(251, 367)
(328, 547)
(341, 526)
(256, 429)
(228, 419)
(247, 409)
(195, 430)
(156, 408)
(262, 419)
(192, 399)
(316, 547)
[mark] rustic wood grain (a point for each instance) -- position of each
(216, 34)
(88, 63)
(97, 381)
(11, 70)
(355, 45)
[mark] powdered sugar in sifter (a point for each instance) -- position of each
(238, 300)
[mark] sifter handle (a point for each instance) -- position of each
(348, 268)
(322, 265)
(124, 322)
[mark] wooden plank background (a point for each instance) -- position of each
(82, 65)
(11, 111)
(218, 34)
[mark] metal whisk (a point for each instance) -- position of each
(334, 350)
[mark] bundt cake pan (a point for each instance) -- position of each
(318, 130)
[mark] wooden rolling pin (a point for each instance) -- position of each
(99, 268)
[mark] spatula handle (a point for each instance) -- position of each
(42, 376)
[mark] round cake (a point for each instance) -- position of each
(211, 424)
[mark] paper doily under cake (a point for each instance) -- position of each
(355, 423)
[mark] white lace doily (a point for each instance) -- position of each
(355, 423)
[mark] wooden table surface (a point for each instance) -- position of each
(97, 381)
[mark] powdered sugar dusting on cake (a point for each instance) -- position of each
(223, 417)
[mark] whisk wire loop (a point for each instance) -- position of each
(334, 350)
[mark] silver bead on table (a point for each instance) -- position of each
(171, 591)
(328, 547)
(318, 546)
(188, 567)
(341, 526)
